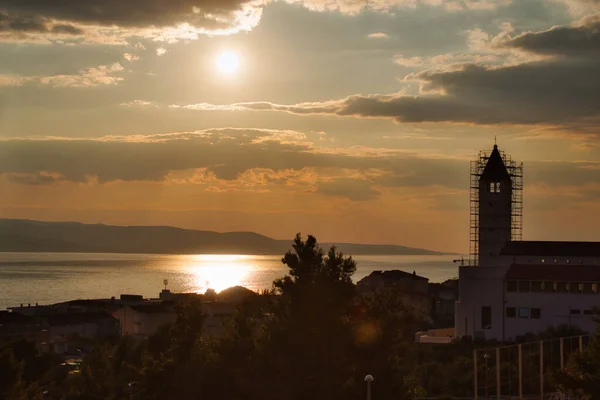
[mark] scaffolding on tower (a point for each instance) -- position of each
(515, 170)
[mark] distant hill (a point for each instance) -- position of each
(36, 236)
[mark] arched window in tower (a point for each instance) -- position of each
(494, 187)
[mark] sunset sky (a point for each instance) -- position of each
(352, 120)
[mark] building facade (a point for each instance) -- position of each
(512, 287)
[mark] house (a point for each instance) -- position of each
(512, 287)
(69, 333)
(217, 313)
(144, 320)
(380, 279)
(15, 326)
(413, 287)
(443, 301)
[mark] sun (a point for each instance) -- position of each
(228, 62)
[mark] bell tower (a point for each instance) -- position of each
(496, 204)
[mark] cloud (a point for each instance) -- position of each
(12, 80)
(110, 21)
(582, 39)
(554, 91)
(258, 160)
(132, 13)
(535, 93)
(88, 77)
(35, 179)
(131, 57)
(161, 51)
(35, 28)
(227, 153)
(128, 18)
(378, 35)
(138, 103)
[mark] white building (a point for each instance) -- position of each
(512, 287)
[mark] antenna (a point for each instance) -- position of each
(495, 140)
(165, 282)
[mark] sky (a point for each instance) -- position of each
(352, 120)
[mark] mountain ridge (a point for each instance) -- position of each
(22, 235)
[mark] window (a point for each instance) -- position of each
(588, 312)
(536, 313)
(575, 287)
(511, 312)
(575, 312)
(523, 286)
(536, 286)
(568, 261)
(486, 317)
(549, 287)
(511, 286)
(543, 260)
(588, 287)
(494, 187)
(523, 312)
(562, 287)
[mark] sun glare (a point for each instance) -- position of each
(218, 272)
(228, 62)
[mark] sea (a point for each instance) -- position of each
(47, 278)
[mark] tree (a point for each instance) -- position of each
(581, 375)
(309, 339)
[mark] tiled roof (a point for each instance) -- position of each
(560, 249)
(554, 272)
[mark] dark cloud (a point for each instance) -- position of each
(556, 91)
(583, 40)
(130, 13)
(34, 179)
(34, 24)
(546, 92)
(229, 153)
(67, 30)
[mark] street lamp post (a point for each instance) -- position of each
(369, 379)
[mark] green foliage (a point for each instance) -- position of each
(581, 376)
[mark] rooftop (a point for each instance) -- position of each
(397, 274)
(554, 272)
(559, 249)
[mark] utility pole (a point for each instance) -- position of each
(476, 395)
(498, 373)
(520, 371)
(541, 370)
(562, 354)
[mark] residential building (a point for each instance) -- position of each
(144, 320)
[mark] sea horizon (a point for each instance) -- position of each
(47, 278)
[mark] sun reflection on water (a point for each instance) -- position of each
(218, 271)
